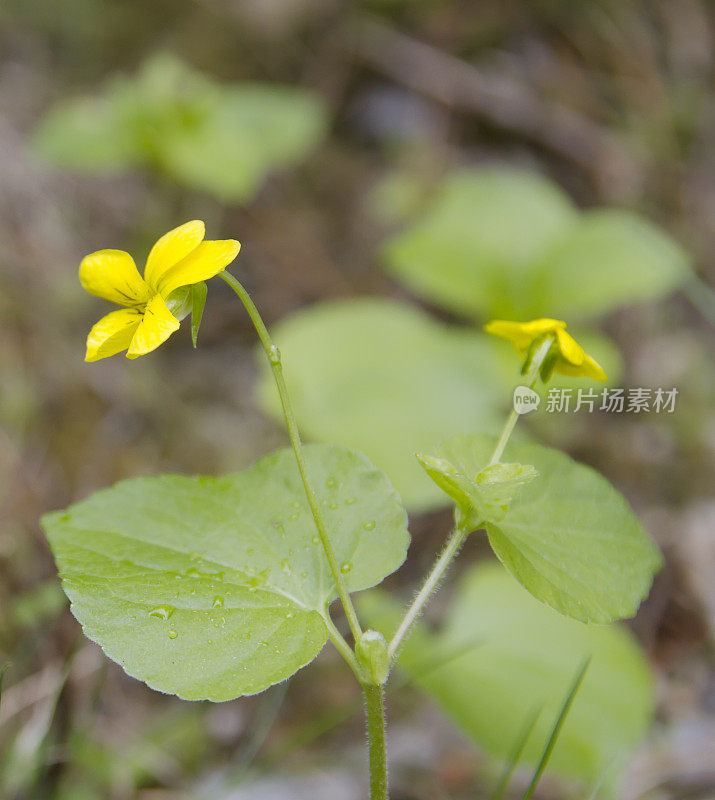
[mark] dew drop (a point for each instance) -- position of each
(345, 568)
(162, 612)
(289, 615)
(316, 540)
(333, 505)
(351, 501)
(193, 573)
(285, 566)
(331, 483)
(369, 526)
(293, 517)
(218, 602)
(295, 504)
(173, 634)
(246, 636)
(277, 651)
(274, 355)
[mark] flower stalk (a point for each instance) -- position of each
(274, 358)
(456, 539)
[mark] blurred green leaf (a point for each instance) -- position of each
(213, 588)
(248, 133)
(610, 258)
(224, 140)
(475, 248)
(385, 378)
(527, 659)
(38, 604)
(87, 134)
(507, 243)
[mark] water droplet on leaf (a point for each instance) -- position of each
(162, 612)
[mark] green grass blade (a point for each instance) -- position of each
(3, 670)
(556, 730)
(514, 758)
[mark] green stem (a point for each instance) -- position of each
(274, 357)
(458, 535)
(342, 646)
(377, 745)
(451, 548)
(509, 426)
(532, 376)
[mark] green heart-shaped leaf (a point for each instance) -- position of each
(569, 537)
(212, 588)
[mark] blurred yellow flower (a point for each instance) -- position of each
(569, 358)
(180, 258)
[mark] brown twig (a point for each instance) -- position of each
(618, 172)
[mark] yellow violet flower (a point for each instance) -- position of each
(180, 258)
(570, 357)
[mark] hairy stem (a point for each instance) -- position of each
(377, 743)
(458, 535)
(451, 548)
(274, 357)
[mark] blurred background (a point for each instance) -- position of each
(398, 173)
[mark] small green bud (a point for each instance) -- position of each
(372, 656)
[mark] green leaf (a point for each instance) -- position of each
(387, 379)
(222, 139)
(213, 588)
(87, 134)
(507, 243)
(569, 537)
(198, 301)
(252, 131)
(610, 258)
(475, 249)
(525, 662)
(480, 494)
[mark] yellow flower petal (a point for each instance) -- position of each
(155, 328)
(569, 348)
(571, 359)
(205, 261)
(590, 368)
(113, 275)
(112, 334)
(172, 248)
(522, 334)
